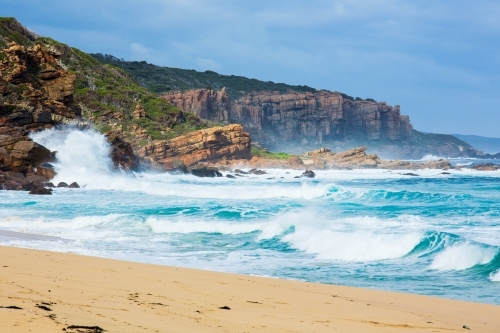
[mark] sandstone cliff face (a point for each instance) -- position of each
(36, 93)
(273, 117)
(228, 142)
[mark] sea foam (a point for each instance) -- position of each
(463, 256)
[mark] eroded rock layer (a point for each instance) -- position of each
(212, 144)
(272, 117)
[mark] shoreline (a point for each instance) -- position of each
(122, 296)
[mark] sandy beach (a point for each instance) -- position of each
(44, 291)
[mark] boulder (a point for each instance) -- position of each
(46, 171)
(41, 191)
(30, 152)
(74, 185)
(5, 159)
(62, 184)
(309, 174)
(203, 171)
(257, 172)
(122, 153)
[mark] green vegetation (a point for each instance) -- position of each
(420, 138)
(105, 89)
(164, 79)
(12, 30)
(106, 94)
(267, 154)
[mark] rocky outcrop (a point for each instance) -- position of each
(272, 117)
(354, 158)
(35, 94)
(217, 143)
(358, 159)
(122, 154)
(485, 167)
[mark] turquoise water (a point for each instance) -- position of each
(433, 234)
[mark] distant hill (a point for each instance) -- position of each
(486, 144)
(166, 79)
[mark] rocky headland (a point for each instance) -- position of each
(309, 116)
(45, 84)
(293, 118)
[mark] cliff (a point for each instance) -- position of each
(285, 117)
(35, 93)
(272, 117)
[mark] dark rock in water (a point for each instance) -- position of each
(41, 191)
(270, 178)
(410, 174)
(203, 171)
(49, 184)
(257, 172)
(237, 174)
(74, 185)
(445, 173)
(485, 167)
(309, 174)
(122, 153)
(62, 184)
(241, 172)
(230, 176)
(297, 177)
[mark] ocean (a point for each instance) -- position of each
(432, 234)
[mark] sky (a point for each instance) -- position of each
(439, 60)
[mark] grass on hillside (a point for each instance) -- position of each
(267, 154)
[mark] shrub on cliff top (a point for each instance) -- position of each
(267, 154)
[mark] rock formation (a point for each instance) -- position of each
(272, 117)
(358, 159)
(324, 159)
(228, 142)
(36, 93)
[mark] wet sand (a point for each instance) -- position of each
(55, 291)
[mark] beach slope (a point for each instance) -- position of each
(55, 292)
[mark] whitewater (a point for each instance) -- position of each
(434, 234)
